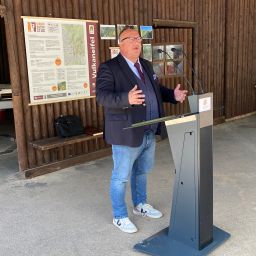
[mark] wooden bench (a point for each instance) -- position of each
(55, 142)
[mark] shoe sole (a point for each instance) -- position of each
(128, 232)
(145, 215)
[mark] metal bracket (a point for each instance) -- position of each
(2, 11)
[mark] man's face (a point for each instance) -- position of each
(130, 44)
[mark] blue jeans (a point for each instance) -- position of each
(135, 162)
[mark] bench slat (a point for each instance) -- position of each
(54, 142)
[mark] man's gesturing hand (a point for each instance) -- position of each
(135, 96)
(180, 95)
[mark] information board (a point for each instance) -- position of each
(62, 58)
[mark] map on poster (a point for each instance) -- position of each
(62, 58)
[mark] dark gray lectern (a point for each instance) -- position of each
(191, 231)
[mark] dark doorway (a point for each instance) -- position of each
(6, 112)
(8, 155)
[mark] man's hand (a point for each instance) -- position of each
(135, 97)
(180, 95)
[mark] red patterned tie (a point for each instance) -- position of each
(137, 66)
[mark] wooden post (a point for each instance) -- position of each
(16, 86)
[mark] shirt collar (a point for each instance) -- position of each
(130, 62)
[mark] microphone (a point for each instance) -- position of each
(190, 65)
(190, 85)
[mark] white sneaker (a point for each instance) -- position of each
(125, 225)
(147, 210)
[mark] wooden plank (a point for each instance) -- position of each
(253, 76)
(248, 51)
(56, 106)
(42, 108)
(150, 12)
(206, 39)
(26, 9)
(35, 110)
(221, 59)
(211, 71)
(90, 109)
(75, 103)
(50, 108)
(174, 23)
(94, 12)
(44, 129)
(240, 63)
(252, 57)
(130, 11)
(41, 8)
(121, 12)
(116, 9)
(197, 38)
(76, 9)
(70, 104)
(243, 48)
(162, 14)
(49, 143)
(228, 56)
(68, 9)
(56, 9)
(85, 104)
(234, 63)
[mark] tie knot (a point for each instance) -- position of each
(137, 64)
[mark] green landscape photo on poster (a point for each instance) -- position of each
(107, 31)
(146, 32)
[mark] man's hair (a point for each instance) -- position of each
(126, 27)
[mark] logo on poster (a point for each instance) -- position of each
(91, 29)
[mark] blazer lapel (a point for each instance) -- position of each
(151, 78)
(126, 70)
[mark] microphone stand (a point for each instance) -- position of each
(190, 65)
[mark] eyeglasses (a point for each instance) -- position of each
(132, 39)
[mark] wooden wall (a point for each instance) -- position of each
(226, 61)
(211, 51)
(210, 16)
(240, 56)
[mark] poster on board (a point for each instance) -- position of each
(62, 58)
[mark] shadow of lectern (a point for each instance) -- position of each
(191, 231)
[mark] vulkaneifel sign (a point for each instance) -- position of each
(62, 58)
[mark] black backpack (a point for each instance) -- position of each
(69, 125)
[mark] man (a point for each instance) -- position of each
(128, 89)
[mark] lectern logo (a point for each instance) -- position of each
(204, 104)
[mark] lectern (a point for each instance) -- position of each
(191, 231)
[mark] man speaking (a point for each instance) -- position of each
(130, 92)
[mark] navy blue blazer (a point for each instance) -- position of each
(114, 81)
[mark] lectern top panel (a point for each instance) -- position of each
(180, 120)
